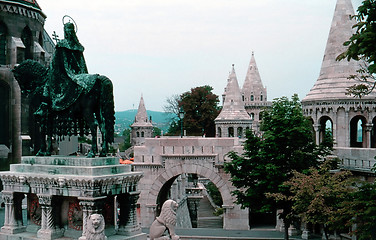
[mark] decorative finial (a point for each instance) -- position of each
(253, 53)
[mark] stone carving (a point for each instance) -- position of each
(65, 99)
(95, 227)
(166, 220)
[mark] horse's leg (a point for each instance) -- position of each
(42, 150)
(88, 115)
(106, 113)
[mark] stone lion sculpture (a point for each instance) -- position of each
(95, 227)
(166, 220)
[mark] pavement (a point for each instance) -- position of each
(261, 232)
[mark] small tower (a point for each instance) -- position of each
(142, 127)
(254, 94)
(233, 120)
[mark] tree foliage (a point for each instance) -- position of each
(285, 146)
(127, 140)
(360, 211)
(318, 195)
(362, 45)
(200, 106)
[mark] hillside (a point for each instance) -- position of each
(125, 118)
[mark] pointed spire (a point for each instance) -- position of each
(333, 80)
(252, 83)
(141, 118)
(233, 106)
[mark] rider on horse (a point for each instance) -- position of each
(69, 76)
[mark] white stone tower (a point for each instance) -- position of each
(233, 120)
(351, 120)
(254, 94)
(142, 127)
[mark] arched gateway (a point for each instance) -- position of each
(162, 160)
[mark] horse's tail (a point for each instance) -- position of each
(107, 107)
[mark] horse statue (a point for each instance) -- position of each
(90, 109)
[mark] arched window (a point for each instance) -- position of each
(27, 40)
(326, 130)
(357, 132)
(138, 134)
(252, 116)
(252, 98)
(3, 44)
(142, 134)
(219, 132)
(261, 98)
(240, 132)
(231, 132)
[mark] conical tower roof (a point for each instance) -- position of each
(252, 82)
(28, 3)
(333, 80)
(233, 106)
(141, 119)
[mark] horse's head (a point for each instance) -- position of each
(30, 75)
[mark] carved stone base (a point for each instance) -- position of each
(13, 230)
(50, 234)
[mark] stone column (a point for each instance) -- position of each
(88, 208)
(128, 225)
(317, 127)
(48, 229)
(12, 225)
(369, 127)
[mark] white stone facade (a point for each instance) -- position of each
(162, 160)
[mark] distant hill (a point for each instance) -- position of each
(125, 118)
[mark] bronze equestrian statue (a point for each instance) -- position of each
(68, 100)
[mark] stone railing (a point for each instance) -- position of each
(357, 159)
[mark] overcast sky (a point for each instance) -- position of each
(166, 47)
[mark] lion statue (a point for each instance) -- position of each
(95, 227)
(166, 220)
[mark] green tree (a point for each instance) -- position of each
(362, 45)
(200, 107)
(268, 161)
(318, 195)
(157, 132)
(127, 140)
(360, 211)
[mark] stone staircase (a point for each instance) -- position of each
(206, 218)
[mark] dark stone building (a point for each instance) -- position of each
(22, 37)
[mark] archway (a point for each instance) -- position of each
(357, 132)
(27, 39)
(200, 202)
(157, 193)
(326, 130)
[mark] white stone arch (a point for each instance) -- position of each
(234, 218)
(170, 173)
(358, 127)
(325, 124)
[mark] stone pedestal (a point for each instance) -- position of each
(64, 191)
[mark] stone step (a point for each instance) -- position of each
(206, 218)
